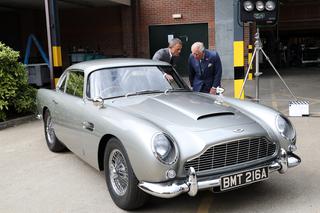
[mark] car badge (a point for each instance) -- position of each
(238, 130)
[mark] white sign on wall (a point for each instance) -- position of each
(170, 37)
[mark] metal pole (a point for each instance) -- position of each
(258, 45)
(257, 75)
(238, 51)
(265, 55)
(247, 73)
(46, 3)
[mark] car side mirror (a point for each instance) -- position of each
(98, 101)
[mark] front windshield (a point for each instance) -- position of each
(124, 81)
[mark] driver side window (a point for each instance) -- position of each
(74, 84)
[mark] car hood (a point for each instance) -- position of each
(194, 111)
(196, 121)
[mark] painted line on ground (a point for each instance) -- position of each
(205, 205)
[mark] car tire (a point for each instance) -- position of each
(52, 141)
(121, 180)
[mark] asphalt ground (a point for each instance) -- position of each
(33, 179)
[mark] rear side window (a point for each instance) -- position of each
(74, 85)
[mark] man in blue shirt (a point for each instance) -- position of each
(205, 69)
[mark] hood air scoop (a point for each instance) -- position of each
(214, 115)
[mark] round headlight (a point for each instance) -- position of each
(248, 6)
(270, 5)
(285, 128)
(259, 5)
(162, 146)
(164, 149)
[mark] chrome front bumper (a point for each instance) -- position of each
(191, 185)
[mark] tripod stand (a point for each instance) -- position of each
(257, 49)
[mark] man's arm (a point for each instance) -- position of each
(191, 71)
(157, 56)
(218, 71)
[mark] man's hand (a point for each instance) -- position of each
(213, 91)
(168, 77)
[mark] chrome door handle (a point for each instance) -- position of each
(88, 125)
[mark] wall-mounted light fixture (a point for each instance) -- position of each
(176, 16)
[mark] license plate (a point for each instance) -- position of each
(243, 178)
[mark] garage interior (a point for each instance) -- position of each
(88, 29)
(107, 28)
(295, 40)
(97, 29)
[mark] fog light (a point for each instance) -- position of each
(292, 148)
(170, 174)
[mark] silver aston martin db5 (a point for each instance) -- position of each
(154, 136)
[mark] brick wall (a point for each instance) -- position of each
(297, 16)
(155, 12)
(128, 35)
(97, 29)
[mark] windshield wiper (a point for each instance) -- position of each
(142, 92)
(175, 90)
(118, 96)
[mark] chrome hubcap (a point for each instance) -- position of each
(118, 172)
(50, 130)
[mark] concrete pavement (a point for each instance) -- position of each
(33, 179)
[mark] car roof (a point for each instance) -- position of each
(92, 65)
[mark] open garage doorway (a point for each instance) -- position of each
(295, 41)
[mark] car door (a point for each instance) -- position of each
(76, 122)
(54, 109)
(69, 111)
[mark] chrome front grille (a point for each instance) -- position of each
(232, 153)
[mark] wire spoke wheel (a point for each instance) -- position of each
(118, 172)
(120, 178)
(52, 141)
(50, 130)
